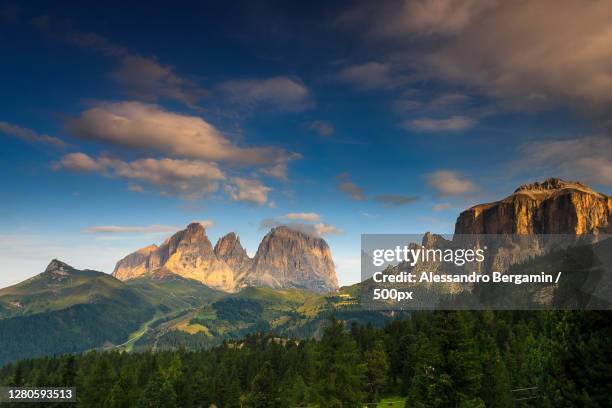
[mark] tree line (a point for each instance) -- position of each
(461, 359)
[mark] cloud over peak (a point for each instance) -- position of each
(308, 223)
(303, 216)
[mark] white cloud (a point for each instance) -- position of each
(29, 135)
(587, 159)
(282, 93)
(450, 183)
(303, 216)
(453, 124)
(150, 127)
(185, 178)
(252, 191)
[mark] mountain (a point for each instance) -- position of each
(286, 258)
(229, 249)
(65, 310)
(165, 297)
(188, 253)
(554, 206)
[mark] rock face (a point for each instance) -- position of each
(533, 220)
(285, 259)
(229, 249)
(554, 206)
(188, 253)
(290, 258)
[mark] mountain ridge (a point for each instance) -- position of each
(554, 206)
(228, 267)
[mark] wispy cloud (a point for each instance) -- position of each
(586, 159)
(395, 200)
(316, 229)
(145, 229)
(350, 188)
(123, 229)
(146, 78)
(29, 135)
(281, 93)
(322, 127)
(372, 75)
(441, 207)
(501, 49)
(137, 75)
(455, 123)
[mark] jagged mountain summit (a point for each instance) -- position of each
(554, 206)
(229, 249)
(285, 259)
(188, 253)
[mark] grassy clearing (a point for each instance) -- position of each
(392, 402)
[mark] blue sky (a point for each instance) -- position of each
(120, 124)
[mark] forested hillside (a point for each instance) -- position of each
(434, 359)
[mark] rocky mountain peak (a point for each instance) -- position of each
(290, 258)
(552, 184)
(187, 253)
(58, 267)
(229, 244)
(431, 240)
(233, 253)
(285, 258)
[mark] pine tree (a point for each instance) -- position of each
(158, 393)
(377, 368)
(581, 361)
(340, 371)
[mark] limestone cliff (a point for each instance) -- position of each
(285, 259)
(554, 206)
(289, 258)
(229, 249)
(188, 253)
(536, 218)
